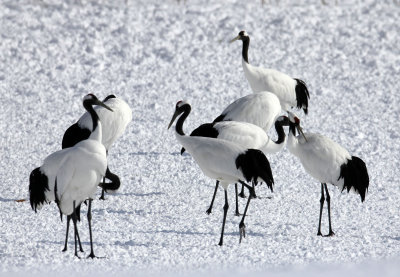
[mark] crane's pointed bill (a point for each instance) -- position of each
(99, 103)
(173, 118)
(234, 39)
(300, 130)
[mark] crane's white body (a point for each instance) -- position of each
(76, 170)
(114, 124)
(247, 135)
(320, 156)
(215, 157)
(276, 82)
(260, 109)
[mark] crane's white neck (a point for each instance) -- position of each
(292, 140)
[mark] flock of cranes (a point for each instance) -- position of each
(231, 150)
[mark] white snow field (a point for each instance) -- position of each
(154, 53)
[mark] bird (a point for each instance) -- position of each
(114, 125)
(328, 162)
(291, 92)
(245, 134)
(71, 175)
(223, 160)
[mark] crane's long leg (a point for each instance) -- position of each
(237, 201)
(102, 189)
(69, 217)
(320, 209)
(328, 200)
(226, 206)
(89, 216)
(242, 226)
(241, 194)
(74, 220)
(253, 191)
(212, 201)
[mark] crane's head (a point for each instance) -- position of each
(180, 107)
(241, 36)
(91, 99)
(282, 120)
(294, 123)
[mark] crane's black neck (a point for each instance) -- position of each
(179, 124)
(280, 132)
(245, 49)
(95, 118)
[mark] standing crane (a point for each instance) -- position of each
(290, 91)
(71, 175)
(224, 161)
(328, 162)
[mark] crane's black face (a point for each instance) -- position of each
(179, 108)
(241, 36)
(283, 120)
(91, 99)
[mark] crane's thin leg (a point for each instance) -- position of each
(74, 220)
(241, 194)
(226, 206)
(237, 201)
(89, 216)
(320, 209)
(212, 201)
(66, 236)
(328, 200)
(69, 217)
(253, 191)
(102, 190)
(242, 226)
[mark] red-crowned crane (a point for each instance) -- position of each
(114, 125)
(223, 160)
(328, 162)
(71, 175)
(244, 134)
(291, 92)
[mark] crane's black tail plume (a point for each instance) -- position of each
(302, 95)
(355, 175)
(254, 164)
(38, 185)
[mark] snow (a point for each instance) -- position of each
(154, 53)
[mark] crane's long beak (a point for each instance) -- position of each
(99, 103)
(300, 130)
(234, 39)
(173, 118)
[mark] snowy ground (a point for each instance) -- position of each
(154, 53)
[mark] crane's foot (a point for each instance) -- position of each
(91, 255)
(209, 211)
(319, 233)
(242, 195)
(237, 213)
(242, 231)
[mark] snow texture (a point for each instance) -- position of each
(154, 53)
